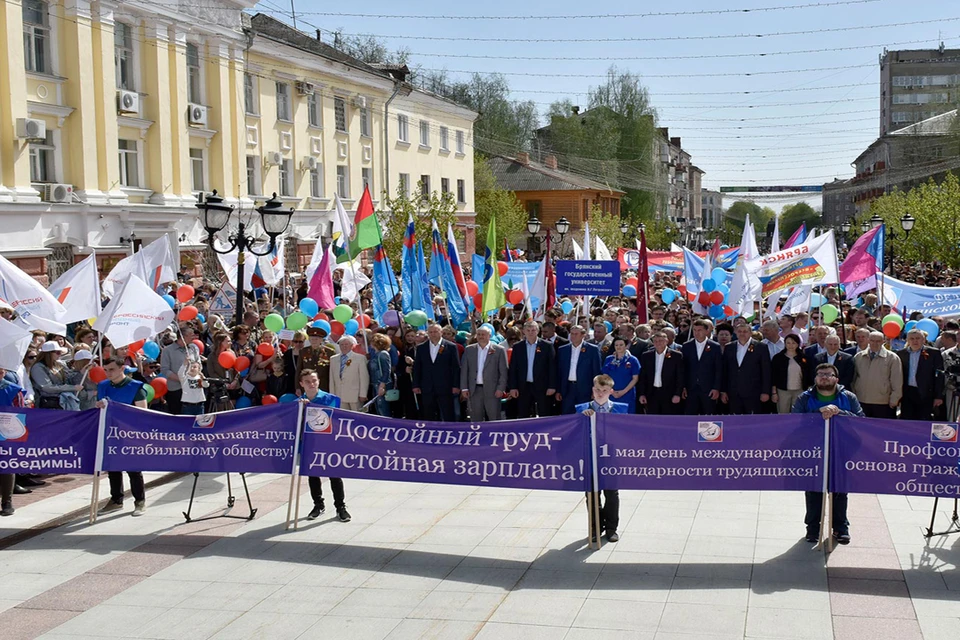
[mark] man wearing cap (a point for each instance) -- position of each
(121, 388)
(316, 357)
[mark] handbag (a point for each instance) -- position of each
(393, 394)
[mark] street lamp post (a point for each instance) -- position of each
(907, 223)
(563, 226)
(533, 228)
(215, 215)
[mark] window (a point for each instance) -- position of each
(194, 79)
(444, 139)
(286, 177)
(424, 133)
(253, 176)
(343, 181)
(444, 185)
(405, 185)
(42, 156)
(365, 122)
(197, 168)
(123, 55)
(250, 103)
(340, 114)
(425, 187)
(403, 128)
(461, 191)
(533, 208)
(36, 36)
(129, 163)
(460, 144)
(314, 116)
(316, 182)
(366, 176)
(283, 101)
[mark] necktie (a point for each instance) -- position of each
(872, 355)
(343, 364)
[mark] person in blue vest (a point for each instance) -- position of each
(601, 403)
(121, 388)
(829, 398)
(11, 395)
(312, 394)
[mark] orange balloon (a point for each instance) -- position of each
(266, 350)
(336, 328)
(502, 268)
(97, 374)
(268, 399)
(200, 346)
(227, 359)
(891, 330)
(364, 320)
(322, 316)
(133, 347)
(185, 293)
(472, 288)
(478, 300)
(632, 282)
(189, 312)
(159, 386)
(242, 363)
(515, 296)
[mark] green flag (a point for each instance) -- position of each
(493, 297)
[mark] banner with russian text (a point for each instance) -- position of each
(253, 440)
(739, 453)
(900, 457)
(43, 441)
(541, 453)
(931, 301)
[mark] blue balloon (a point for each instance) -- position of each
(288, 397)
(488, 327)
(716, 311)
(170, 300)
(608, 325)
(629, 290)
(202, 318)
(243, 402)
(336, 299)
(350, 327)
(910, 325)
(724, 289)
(709, 285)
(668, 296)
(309, 307)
(322, 324)
(930, 326)
(245, 371)
(566, 306)
(719, 275)
(151, 349)
(817, 300)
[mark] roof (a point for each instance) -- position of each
(938, 125)
(513, 175)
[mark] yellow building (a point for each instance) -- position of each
(114, 116)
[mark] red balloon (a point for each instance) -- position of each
(97, 374)
(268, 399)
(189, 312)
(502, 268)
(227, 359)
(283, 348)
(691, 296)
(322, 316)
(185, 293)
(716, 297)
(704, 298)
(159, 386)
(728, 311)
(891, 329)
(364, 320)
(632, 282)
(478, 300)
(472, 288)
(336, 328)
(133, 347)
(266, 350)
(515, 296)
(242, 363)
(200, 345)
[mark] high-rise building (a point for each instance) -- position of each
(917, 84)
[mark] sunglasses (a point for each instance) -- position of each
(31, 357)
(298, 342)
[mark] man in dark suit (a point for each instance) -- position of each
(578, 363)
(436, 374)
(702, 371)
(549, 334)
(532, 378)
(818, 338)
(661, 378)
(635, 345)
(746, 374)
(923, 382)
(861, 342)
(842, 361)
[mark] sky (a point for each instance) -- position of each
(806, 119)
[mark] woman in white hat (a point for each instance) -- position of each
(82, 362)
(50, 376)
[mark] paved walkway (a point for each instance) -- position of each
(421, 561)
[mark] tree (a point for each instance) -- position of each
(793, 215)
(368, 48)
(424, 208)
(491, 201)
(735, 216)
(605, 226)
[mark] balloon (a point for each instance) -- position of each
(488, 327)
(718, 274)
(829, 313)
(716, 297)
(724, 289)
(242, 363)
(322, 324)
(668, 296)
(169, 299)
(892, 317)
(97, 374)
(472, 288)
(336, 299)
(159, 386)
(151, 394)
(269, 399)
(566, 306)
(930, 326)
(297, 320)
(350, 327)
(633, 282)
(715, 311)
(283, 348)
(343, 312)
(364, 320)
(608, 325)
(478, 300)
(274, 322)
(227, 359)
(243, 402)
(288, 397)
(185, 293)
(151, 349)
(310, 307)
(514, 296)
(728, 311)
(133, 347)
(266, 350)
(817, 300)
(502, 268)
(189, 312)
(336, 328)
(321, 316)
(704, 298)
(910, 325)
(202, 318)
(200, 346)
(709, 285)
(891, 329)
(629, 290)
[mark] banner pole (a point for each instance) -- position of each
(595, 479)
(825, 505)
(98, 463)
(294, 472)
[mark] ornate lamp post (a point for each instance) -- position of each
(907, 223)
(563, 226)
(533, 228)
(215, 215)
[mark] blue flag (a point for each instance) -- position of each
(413, 274)
(442, 270)
(385, 286)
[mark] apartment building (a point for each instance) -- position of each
(916, 85)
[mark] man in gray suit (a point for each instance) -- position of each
(483, 377)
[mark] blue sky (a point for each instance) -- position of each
(806, 128)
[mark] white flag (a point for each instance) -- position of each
(352, 281)
(674, 247)
(316, 259)
(538, 293)
(228, 261)
(748, 241)
(342, 228)
(744, 291)
(798, 300)
(36, 307)
(775, 243)
(137, 312)
(603, 253)
(14, 341)
(271, 265)
(78, 290)
(153, 264)
(577, 251)
(586, 240)
(813, 262)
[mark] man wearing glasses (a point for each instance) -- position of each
(829, 398)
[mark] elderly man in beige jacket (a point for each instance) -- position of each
(878, 379)
(349, 379)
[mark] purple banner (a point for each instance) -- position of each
(739, 453)
(902, 457)
(48, 440)
(254, 440)
(542, 453)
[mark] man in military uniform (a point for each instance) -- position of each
(317, 357)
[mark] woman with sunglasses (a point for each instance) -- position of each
(23, 374)
(50, 376)
(242, 344)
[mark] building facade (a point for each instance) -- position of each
(917, 85)
(837, 202)
(115, 116)
(711, 202)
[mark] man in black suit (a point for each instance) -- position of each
(702, 371)
(661, 378)
(549, 334)
(578, 363)
(842, 361)
(532, 378)
(635, 345)
(746, 373)
(436, 374)
(861, 342)
(922, 378)
(818, 338)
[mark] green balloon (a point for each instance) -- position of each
(416, 318)
(830, 313)
(151, 392)
(342, 312)
(892, 317)
(274, 322)
(297, 321)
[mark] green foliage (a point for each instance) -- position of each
(395, 212)
(606, 226)
(659, 235)
(494, 202)
(735, 216)
(793, 215)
